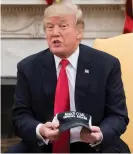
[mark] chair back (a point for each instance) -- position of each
(122, 48)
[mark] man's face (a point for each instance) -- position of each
(61, 34)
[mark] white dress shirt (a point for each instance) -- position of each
(71, 70)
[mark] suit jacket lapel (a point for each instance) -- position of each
(49, 76)
(82, 77)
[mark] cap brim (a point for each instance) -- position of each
(73, 124)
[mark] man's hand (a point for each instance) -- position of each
(50, 130)
(92, 137)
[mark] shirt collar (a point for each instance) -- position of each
(73, 59)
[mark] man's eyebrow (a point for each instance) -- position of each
(64, 20)
(48, 22)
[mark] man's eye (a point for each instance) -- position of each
(49, 26)
(63, 25)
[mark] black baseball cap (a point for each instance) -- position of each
(68, 120)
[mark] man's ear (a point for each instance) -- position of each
(79, 33)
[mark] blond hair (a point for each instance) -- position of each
(64, 8)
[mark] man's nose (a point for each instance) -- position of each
(56, 30)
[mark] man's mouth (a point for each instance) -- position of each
(56, 43)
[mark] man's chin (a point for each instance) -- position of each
(57, 51)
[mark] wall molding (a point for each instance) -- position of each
(20, 21)
(81, 2)
(22, 31)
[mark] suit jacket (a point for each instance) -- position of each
(99, 93)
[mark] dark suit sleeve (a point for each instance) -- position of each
(22, 116)
(116, 117)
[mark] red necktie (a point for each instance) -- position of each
(62, 104)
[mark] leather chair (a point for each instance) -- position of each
(122, 48)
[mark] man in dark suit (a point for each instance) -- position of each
(92, 77)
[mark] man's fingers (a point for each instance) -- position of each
(91, 137)
(48, 124)
(97, 136)
(87, 138)
(52, 133)
(52, 125)
(55, 124)
(95, 129)
(53, 138)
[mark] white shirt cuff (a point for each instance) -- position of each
(39, 135)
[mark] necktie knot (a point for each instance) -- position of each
(64, 63)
